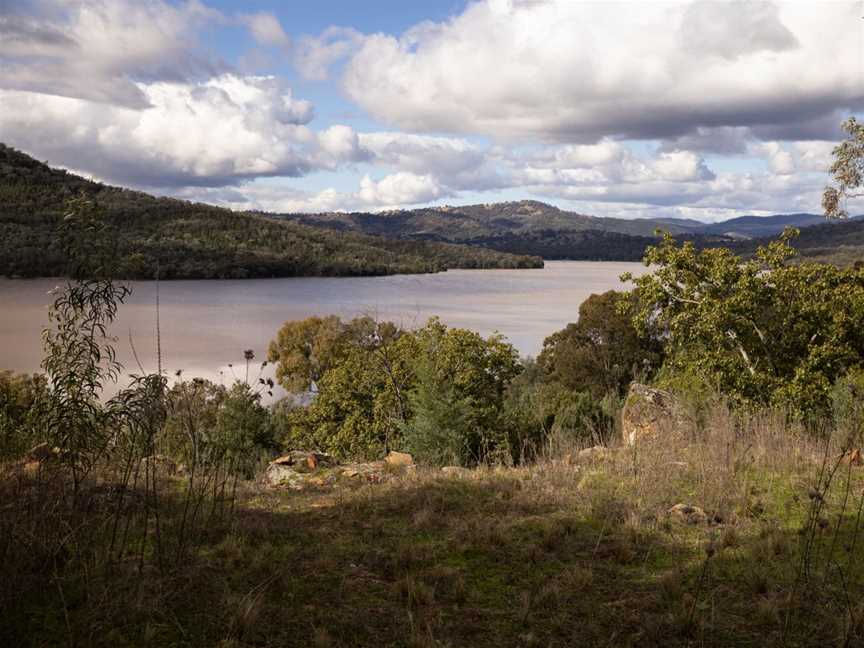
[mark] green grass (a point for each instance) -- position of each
(549, 555)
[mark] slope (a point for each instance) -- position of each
(193, 240)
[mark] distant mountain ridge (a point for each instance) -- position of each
(533, 227)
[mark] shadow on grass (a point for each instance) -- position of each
(450, 562)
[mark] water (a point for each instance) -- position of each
(207, 324)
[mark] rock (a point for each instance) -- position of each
(394, 458)
(688, 514)
(595, 453)
(647, 412)
(371, 472)
(456, 471)
(305, 460)
(280, 475)
(853, 457)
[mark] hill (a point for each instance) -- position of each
(193, 240)
(535, 228)
(523, 227)
(838, 242)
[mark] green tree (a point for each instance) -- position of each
(764, 330)
(304, 350)
(377, 375)
(460, 370)
(847, 169)
(361, 399)
(602, 351)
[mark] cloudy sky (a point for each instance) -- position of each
(695, 109)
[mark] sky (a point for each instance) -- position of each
(704, 110)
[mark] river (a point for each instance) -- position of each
(205, 325)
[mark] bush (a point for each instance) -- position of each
(847, 398)
(19, 397)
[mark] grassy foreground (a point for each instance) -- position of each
(577, 550)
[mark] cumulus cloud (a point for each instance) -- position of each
(218, 131)
(100, 49)
(456, 162)
(731, 30)
(572, 71)
(393, 191)
(643, 110)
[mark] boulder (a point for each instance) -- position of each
(647, 412)
(688, 514)
(282, 476)
(304, 460)
(394, 458)
(371, 472)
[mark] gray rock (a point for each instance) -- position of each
(647, 413)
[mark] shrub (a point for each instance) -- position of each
(20, 396)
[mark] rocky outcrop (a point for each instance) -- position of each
(304, 461)
(302, 469)
(647, 413)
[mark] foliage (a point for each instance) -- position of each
(764, 329)
(367, 389)
(602, 351)
(361, 396)
(847, 169)
(79, 352)
(20, 399)
(457, 401)
(436, 434)
(305, 350)
(847, 404)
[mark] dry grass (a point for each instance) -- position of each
(578, 552)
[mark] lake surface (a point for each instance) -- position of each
(207, 324)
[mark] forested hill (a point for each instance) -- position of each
(523, 227)
(192, 240)
(840, 243)
(532, 227)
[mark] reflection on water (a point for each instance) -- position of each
(207, 324)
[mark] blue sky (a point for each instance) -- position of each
(694, 109)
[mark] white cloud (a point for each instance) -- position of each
(574, 71)
(98, 49)
(266, 29)
(315, 55)
(537, 97)
(218, 131)
(393, 191)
